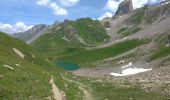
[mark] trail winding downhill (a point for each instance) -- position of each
(87, 94)
(57, 94)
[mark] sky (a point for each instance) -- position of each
(21, 15)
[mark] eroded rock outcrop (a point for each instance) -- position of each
(125, 7)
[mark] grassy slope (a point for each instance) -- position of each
(138, 16)
(145, 15)
(149, 14)
(31, 79)
(90, 56)
(51, 43)
(161, 49)
(120, 93)
(124, 31)
(91, 31)
(104, 90)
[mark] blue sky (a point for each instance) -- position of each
(29, 12)
(19, 15)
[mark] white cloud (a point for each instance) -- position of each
(107, 14)
(43, 2)
(56, 6)
(18, 27)
(68, 2)
(112, 5)
(153, 0)
(139, 3)
(58, 10)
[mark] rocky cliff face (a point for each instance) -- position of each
(32, 34)
(157, 12)
(125, 7)
(36, 31)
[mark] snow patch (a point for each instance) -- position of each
(18, 53)
(124, 38)
(130, 64)
(167, 3)
(130, 71)
(7, 66)
(120, 62)
(107, 29)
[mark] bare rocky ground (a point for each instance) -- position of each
(57, 94)
(156, 80)
(137, 56)
(148, 31)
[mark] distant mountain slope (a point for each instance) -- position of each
(31, 34)
(28, 74)
(71, 34)
(146, 21)
(150, 14)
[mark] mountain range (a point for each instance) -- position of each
(124, 57)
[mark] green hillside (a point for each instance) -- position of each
(71, 34)
(91, 56)
(28, 77)
(162, 46)
(124, 57)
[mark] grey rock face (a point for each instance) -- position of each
(31, 34)
(125, 7)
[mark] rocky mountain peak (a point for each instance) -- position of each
(125, 7)
(28, 35)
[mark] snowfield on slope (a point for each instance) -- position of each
(130, 71)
